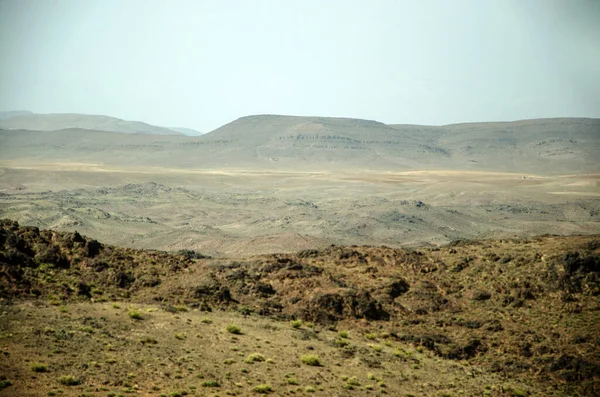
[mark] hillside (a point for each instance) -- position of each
(497, 318)
(186, 131)
(286, 143)
(58, 121)
(13, 113)
(548, 145)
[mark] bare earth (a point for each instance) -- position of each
(235, 212)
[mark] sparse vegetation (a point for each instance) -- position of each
(296, 323)
(292, 381)
(234, 329)
(254, 357)
(377, 348)
(135, 314)
(69, 380)
(148, 340)
(39, 367)
(263, 388)
(459, 340)
(4, 383)
(311, 359)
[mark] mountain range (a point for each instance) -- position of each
(283, 143)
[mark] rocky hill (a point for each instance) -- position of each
(514, 312)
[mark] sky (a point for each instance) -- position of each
(201, 64)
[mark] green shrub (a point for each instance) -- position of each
(309, 389)
(210, 383)
(135, 314)
(234, 329)
(263, 388)
(254, 357)
(371, 336)
(296, 323)
(69, 380)
(377, 348)
(4, 383)
(353, 381)
(343, 334)
(311, 360)
(39, 367)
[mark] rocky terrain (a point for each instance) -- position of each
(234, 215)
(486, 317)
(301, 255)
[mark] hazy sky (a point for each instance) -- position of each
(201, 64)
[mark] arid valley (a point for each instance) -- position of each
(297, 256)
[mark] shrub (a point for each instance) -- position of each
(69, 380)
(343, 334)
(210, 383)
(39, 367)
(4, 383)
(254, 357)
(234, 329)
(263, 388)
(353, 381)
(135, 314)
(296, 323)
(149, 340)
(371, 336)
(309, 389)
(377, 348)
(311, 360)
(292, 381)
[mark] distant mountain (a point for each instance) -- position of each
(13, 113)
(187, 131)
(288, 143)
(61, 121)
(542, 145)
